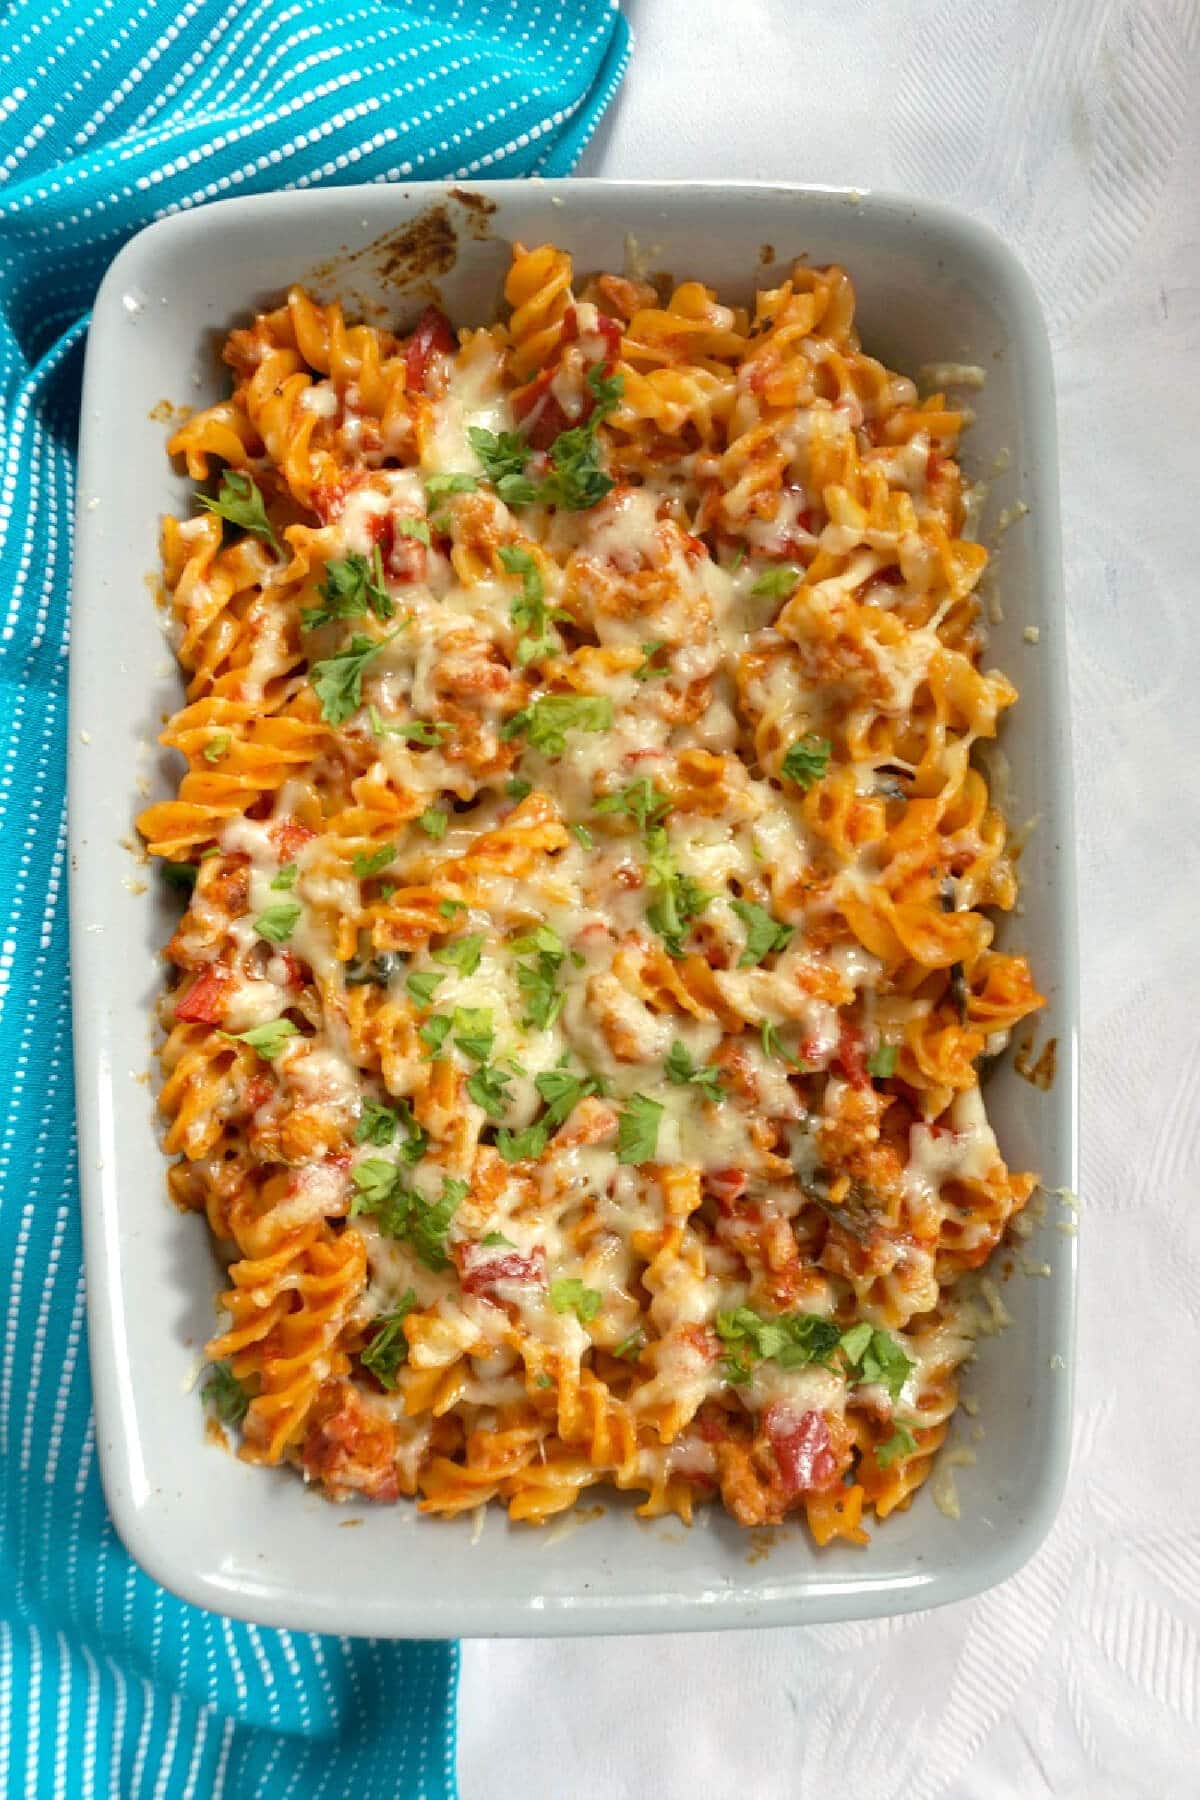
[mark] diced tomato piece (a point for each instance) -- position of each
(404, 557)
(432, 336)
(480, 1273)
(288, 836)
(537, 404)
(570, 325)
(933, 465)
(258, 1091)
(850, 1055)
(701, 1340)
(714, 1430)
(204, 1002)
(329, 497)
(803, 1449)
(610, 331)
(726, 1185)
(352, 1450)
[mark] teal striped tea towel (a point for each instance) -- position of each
(113, 112)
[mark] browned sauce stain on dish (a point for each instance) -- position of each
(1039, 1074)
(762, 1540)
(766, 254)
(408, 258)
(479, 212)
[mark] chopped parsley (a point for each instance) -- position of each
(434, 1031)
(414, 528)
(649, 670)
(352, 587)
(450, 909)
(433, 822)
(882, 1062)
(531, 616)
(372, 862)
(462, 953)
(679, 899)
(637, 1130)
(377, 1124)
(403, 1213)
(473, 1032)
(538, 980)
(516, 789)
(568, 1294)
(496, 1240)
(562, 1093)
(240, 502)
(502, 454)
(423, 984)
(763, 933)
(227, 1396)
(583, 836)
(876, 1356)
(546, 721)
(807, 761)
(278, 922)
(683, 1071)
(774, 584)
(217, 746)
(286, 878)
(630, 1348)
(641, 801)
(388, 1346)
(180, 874)
(901, 1443)
(436, 485)
(338, 679)
(773, 1047)
(790, 1339)
(489, 1088)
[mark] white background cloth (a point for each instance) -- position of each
(1074, 127)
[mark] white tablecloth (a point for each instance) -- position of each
(1073, 126)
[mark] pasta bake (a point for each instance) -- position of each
(587, 961)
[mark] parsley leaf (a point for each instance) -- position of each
(351, 586)
(180, 874)
(583, 836)
(278, 922)
(641, 801)
(462, 953)
(576, 479)
(568, 1294)
(648, 670)
(449, 909)
(450, 484)
(680, 899)
(377, 1124)
(807, 761)
(434, 1032)
(267, 1039)
(538, 980)
(404, 1213)
(637, 1130)
(901, 1443)
(414, 528)
(433, 821)
(423, 985)
(531, 616)
(502, 454)
(473, 1032)
(790, 1339)
(763, 933)
(388, 1347)
(772, 1046)
(877, 1358)
(496, 1240)
(285, 879)
(240, 501)
(371, 862)
(516, 789)
(773, 584)
(547, 721)
(682, 1070)
(629, 1348)
(882, 1062)
(217, 746)
(489, 1088)
(428, 732)
(229, 1399)
(338, 679)
(562, 1092)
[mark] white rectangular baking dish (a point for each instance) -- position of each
(933, 287)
